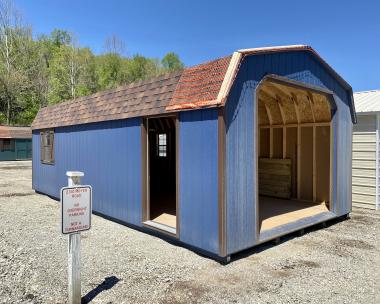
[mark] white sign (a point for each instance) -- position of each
(76, 209)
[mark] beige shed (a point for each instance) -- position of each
(365, 150)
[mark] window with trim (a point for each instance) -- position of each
(47, 147)
(162, 145)
(7, 144)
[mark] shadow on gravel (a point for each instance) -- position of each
(16, 194)
(15, 167)
(108, 283)
(270, 244)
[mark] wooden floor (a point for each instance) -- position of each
(166, 219)
(275, 212)
(163, 209)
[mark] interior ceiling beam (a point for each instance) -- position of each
(295, 103)
(310, 98)
(268, 114)
(279, 103)
(280, 90)
(267, 94)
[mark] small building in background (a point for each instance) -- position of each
(15, 143)
(365, 147)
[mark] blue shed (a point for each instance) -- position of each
(221, 156)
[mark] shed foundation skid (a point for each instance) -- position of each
(219, 157)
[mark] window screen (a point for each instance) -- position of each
(7, 144)
(162, 145)
(47, 146)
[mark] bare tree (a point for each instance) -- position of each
(13, 36)
(114, 45)
(74, 66)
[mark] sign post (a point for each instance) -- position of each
(76, 217)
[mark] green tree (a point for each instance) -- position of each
(171, 62)
(53, 67)
(140, 67)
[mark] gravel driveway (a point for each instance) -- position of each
(339, 264)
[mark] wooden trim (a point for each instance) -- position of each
(256, 153)
(331, 202)
(147, 172)
(144, 170)
(52, 156)
(229, 77)
(177, 179)
(296, 84)
(314, 166)
(221, 184)
(148, 225)
(41, 145)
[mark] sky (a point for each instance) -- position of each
(345, 33)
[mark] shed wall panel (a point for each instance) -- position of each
(364, 162)
(241, 137)
(198, 199)
(342, 165)
(109, 154)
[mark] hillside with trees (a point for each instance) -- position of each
(36, 71)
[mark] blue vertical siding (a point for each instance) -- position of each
(343, 159)
(109, 153)
(240, 171)
(198, 170)
(241, 156)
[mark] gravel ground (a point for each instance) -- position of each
(339, 264)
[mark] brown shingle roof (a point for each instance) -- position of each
(144, 97)
(194, 87)
(204, 85)
(15, 132)
(199, 85)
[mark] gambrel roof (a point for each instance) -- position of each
(201, 86)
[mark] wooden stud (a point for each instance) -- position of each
(284, 142)
(271, 143)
